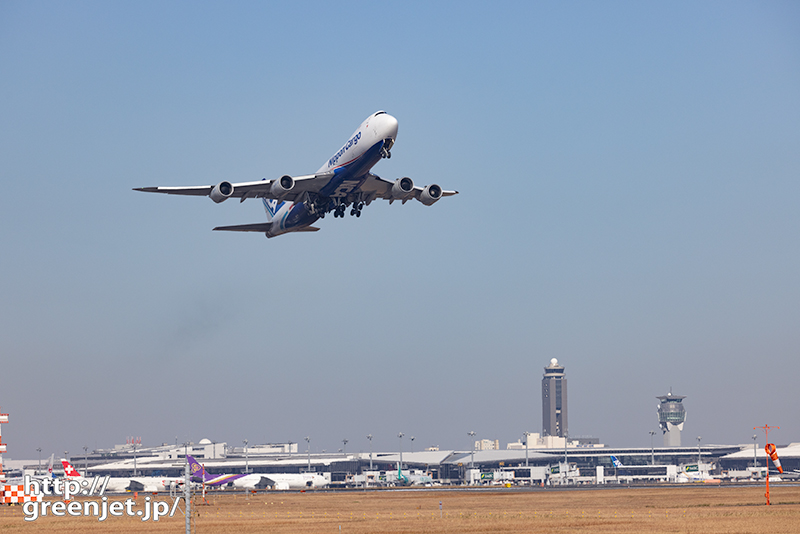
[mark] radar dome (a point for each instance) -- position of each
(554, 362)
(205, 441)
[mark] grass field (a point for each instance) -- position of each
(687, 509)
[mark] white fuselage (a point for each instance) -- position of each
(282, 480)
(350, 163)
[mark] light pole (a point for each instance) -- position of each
(134, 458)
(344, 446)
(400, 467)
(698, 452)
(85, 461)
(566, 461)
(525, 437)
(471, 434)
(652, 450)
(308, 440)
(40, 459)
(755, 457)
(412, 443)
(369, 437)
(246, 459)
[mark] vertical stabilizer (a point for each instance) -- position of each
(69, 471)
(198, 471)
(272, 206)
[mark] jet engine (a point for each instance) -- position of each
(430, 194)
(281, 187)
(221, 192)
(402, 189)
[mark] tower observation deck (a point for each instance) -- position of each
(671, 416)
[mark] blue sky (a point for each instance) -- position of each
(628, 205)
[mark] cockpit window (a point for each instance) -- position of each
(379, 113)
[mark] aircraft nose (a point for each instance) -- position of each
(388, 126)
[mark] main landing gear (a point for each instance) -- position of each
(339, 210)
(356, 210)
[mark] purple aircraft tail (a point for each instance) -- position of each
(198, 473)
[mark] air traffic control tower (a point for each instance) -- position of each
(671, 416)
(554, 400)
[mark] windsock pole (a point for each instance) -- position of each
(766, 429)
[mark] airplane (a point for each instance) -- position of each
(199, 474)
(410, 479)
(293, 204)
(123, 484)
(36, 476)
(279, 481)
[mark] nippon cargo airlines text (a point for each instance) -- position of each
(353, 141)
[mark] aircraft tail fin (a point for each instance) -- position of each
(198, 471)
(50, 466)
(272, 206)
(615, 461)
(69, 470)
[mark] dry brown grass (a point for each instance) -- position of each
(723, 509)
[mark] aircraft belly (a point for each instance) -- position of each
(349, 178)
(297, 217)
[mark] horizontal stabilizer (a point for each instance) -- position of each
(256, 227)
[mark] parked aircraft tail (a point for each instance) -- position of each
(198, 471)
(69, 470)
(50, 466)
(615, 461)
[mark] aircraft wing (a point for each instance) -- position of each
(311, 183)
(376, 187)
(260, 227)
(256, 227)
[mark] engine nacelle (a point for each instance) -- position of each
(221, 192)
(402, 188)
(281, 187)
(430, 194)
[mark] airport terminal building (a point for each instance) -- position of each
(575, 465)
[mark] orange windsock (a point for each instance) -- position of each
(773, 453)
